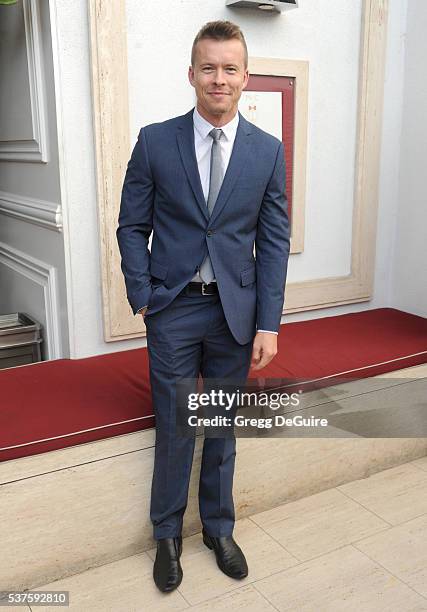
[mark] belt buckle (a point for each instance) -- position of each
(203, 289)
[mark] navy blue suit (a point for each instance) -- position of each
(207, 335)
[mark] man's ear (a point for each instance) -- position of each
(246, 78)
(191, 75)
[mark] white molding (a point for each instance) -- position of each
(64, 180)
(44, 275)
(36, 148)
(40, 212)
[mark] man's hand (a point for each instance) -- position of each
(143, 311)
(264, 349)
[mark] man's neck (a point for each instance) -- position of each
(217, 120)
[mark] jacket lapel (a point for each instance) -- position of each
(185, 138)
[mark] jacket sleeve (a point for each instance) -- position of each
(272, 245)
(135, 225)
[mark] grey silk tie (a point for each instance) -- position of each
(215, 182)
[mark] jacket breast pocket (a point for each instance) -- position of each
(158, 270)
(248, 276)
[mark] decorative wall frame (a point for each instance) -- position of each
(111, 119)
(36, 148)
(297, 71)
(45, 276)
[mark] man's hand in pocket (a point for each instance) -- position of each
(143, 311)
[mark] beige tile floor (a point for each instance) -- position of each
(360, 546)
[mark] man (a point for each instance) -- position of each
(210, 185)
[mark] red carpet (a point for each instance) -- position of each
(62, 403)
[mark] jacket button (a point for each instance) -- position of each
(209, 233)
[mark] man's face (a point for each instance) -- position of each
(218, 76)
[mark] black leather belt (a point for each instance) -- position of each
(195, 288)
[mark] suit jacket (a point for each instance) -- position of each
(162, 193)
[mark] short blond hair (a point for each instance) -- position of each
(219, 30)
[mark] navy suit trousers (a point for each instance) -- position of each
(188, 337)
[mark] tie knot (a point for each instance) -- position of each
(216, 134)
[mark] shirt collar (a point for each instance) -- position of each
(203, 127)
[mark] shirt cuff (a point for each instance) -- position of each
(268, 331)
(142, 308)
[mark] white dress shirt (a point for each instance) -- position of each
(203, 145)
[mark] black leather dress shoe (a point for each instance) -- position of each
(229, 556)
(167, 570)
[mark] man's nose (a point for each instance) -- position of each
(219, 76)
